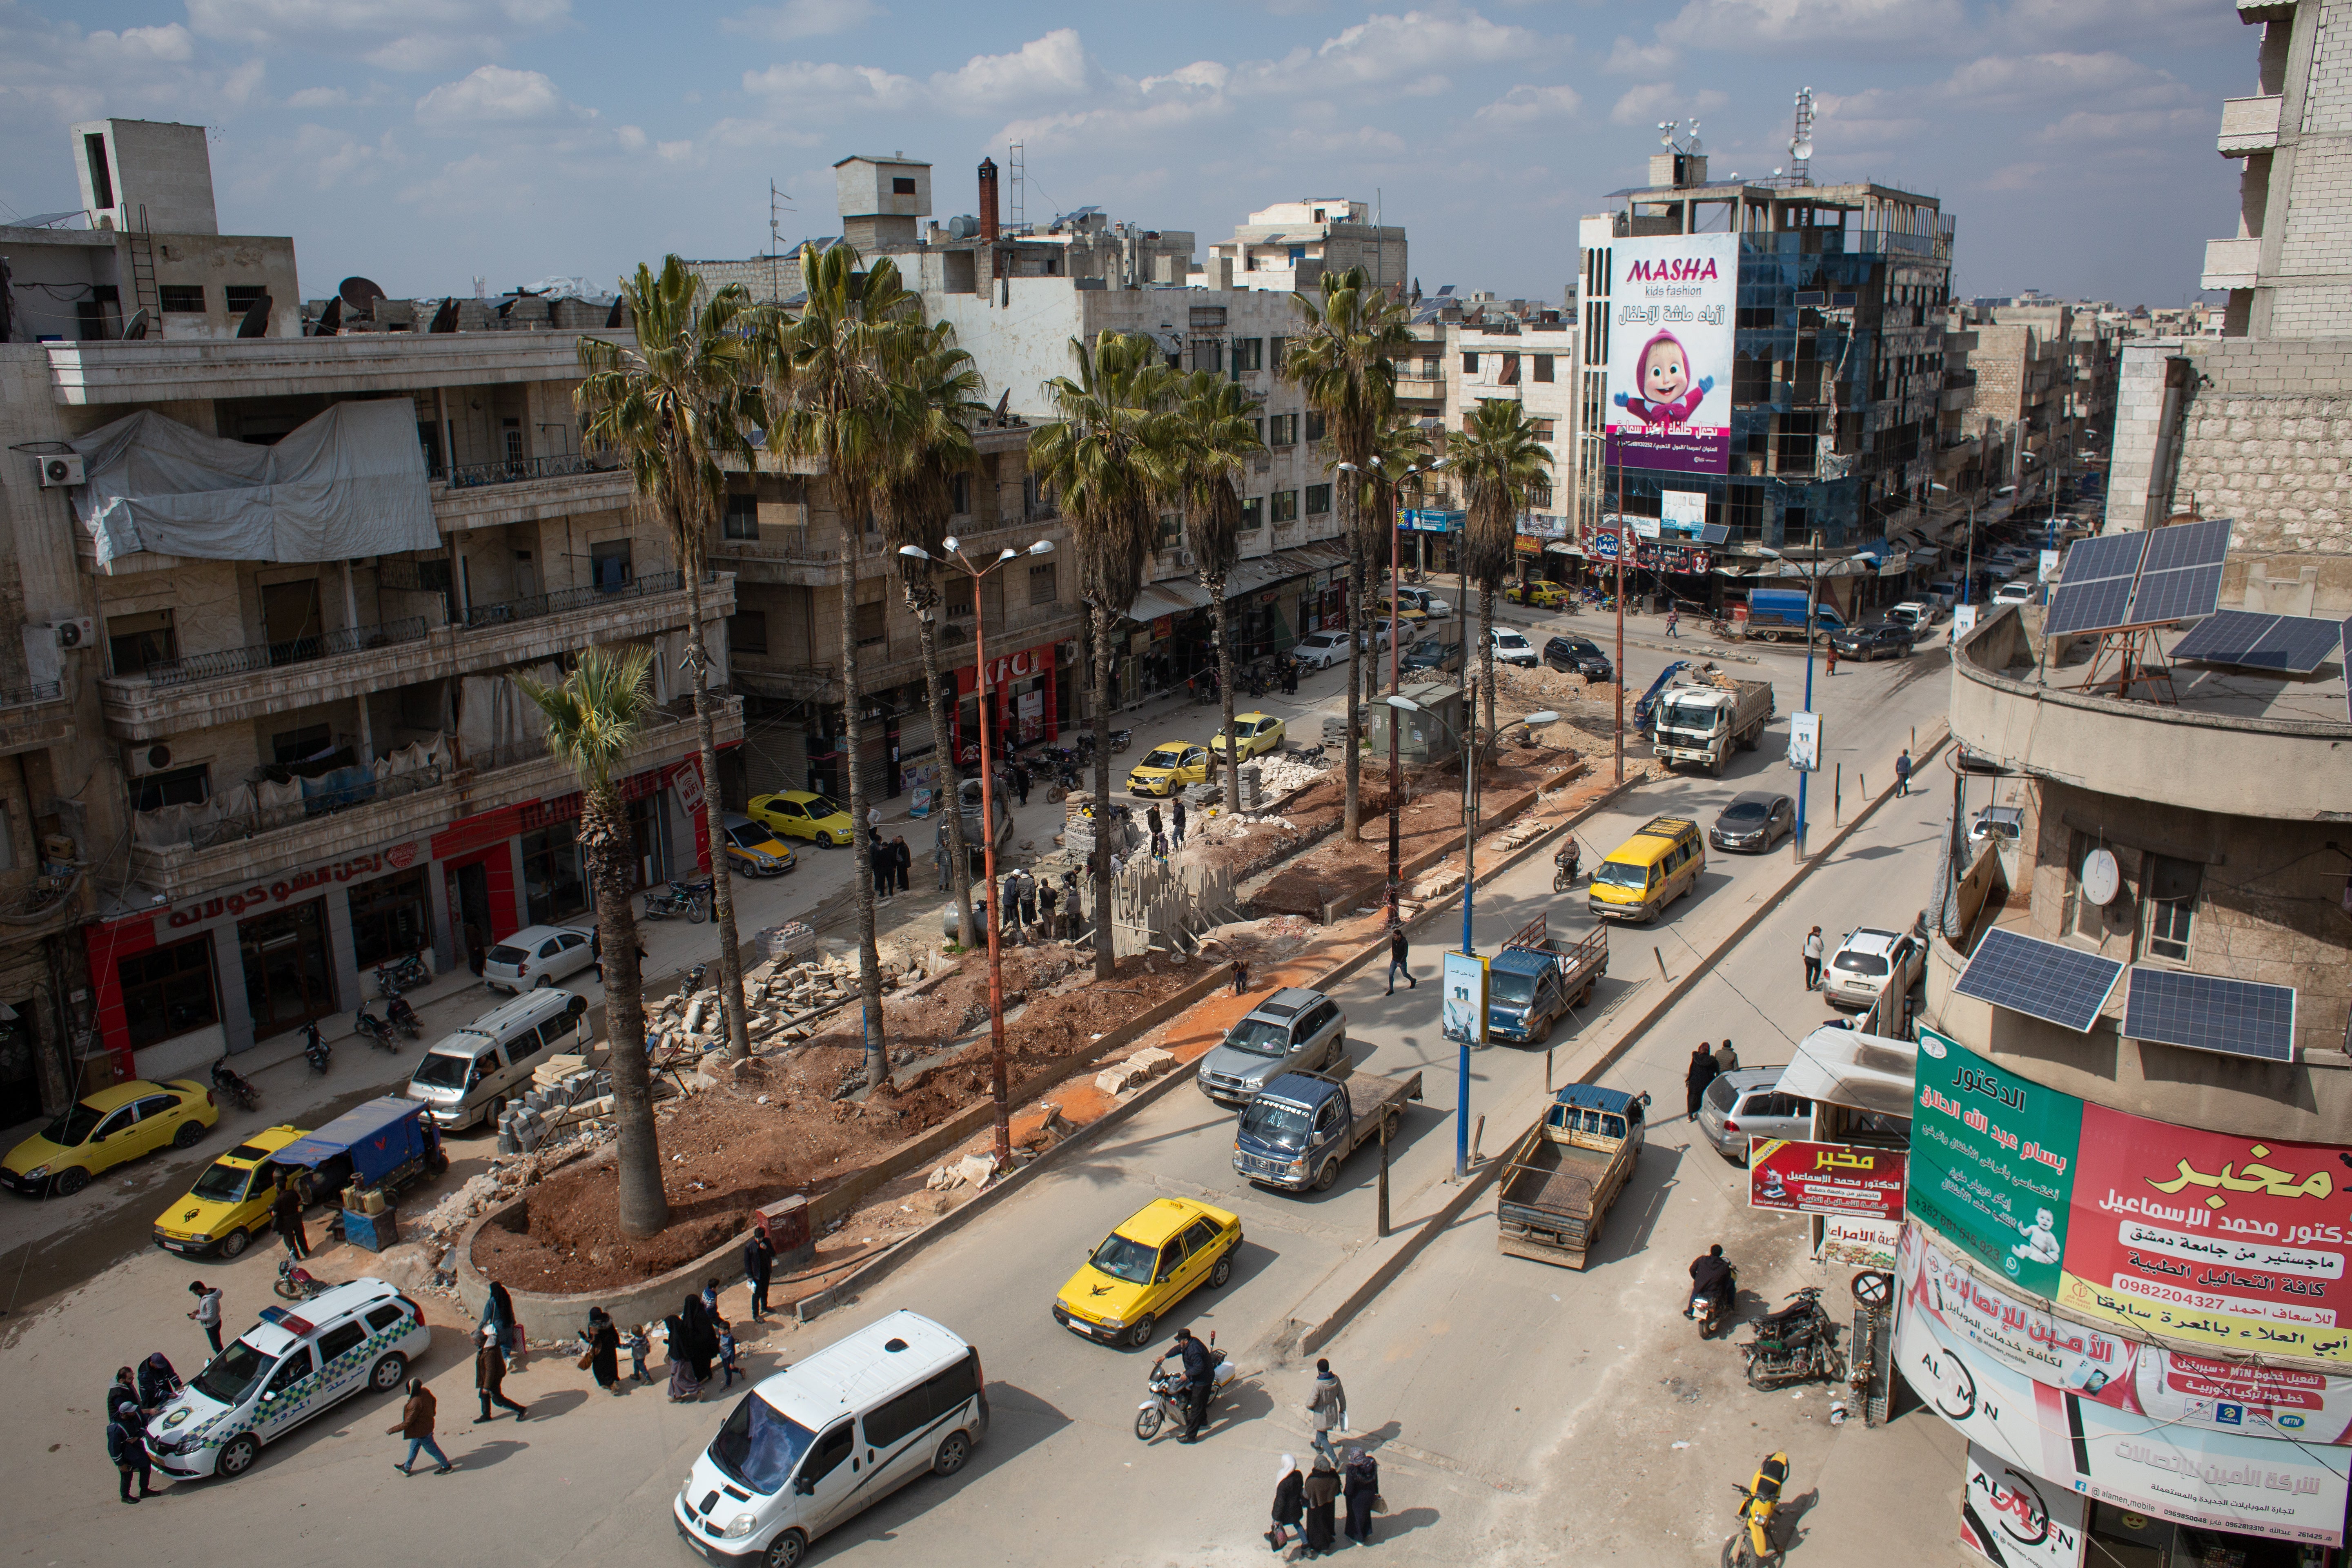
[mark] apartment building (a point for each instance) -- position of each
(1288, 246)
(280, 585)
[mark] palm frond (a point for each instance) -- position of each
(595, 713)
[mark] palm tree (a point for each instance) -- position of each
(1213, 438)
(938, 402)
(1499, 464)
(1107, 457)
(676, 404)
(1345, 362)
(592, 718)
(830, 395)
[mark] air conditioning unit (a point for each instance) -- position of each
(1184, 557)
(141, 760)
(79, 632)
(60, 469)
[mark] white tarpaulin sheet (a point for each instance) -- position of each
(1846, 1067)
(348, 484)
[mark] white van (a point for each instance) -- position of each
(469, 1076)
(812, 1447)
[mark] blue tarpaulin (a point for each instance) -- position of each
(379, 1136)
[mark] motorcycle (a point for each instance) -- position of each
(1168, 1397)
(694, 978)
(1710, 1311)
(403, 975)
(1566, 866)
(1119, 740)
(378, 1032)
(1794, 1344)
(314, 1049)
(1750, 1546)
(402, 1016)
(233, 1085)
(297, 1283)
(688, 898)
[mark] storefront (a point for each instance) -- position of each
(1024, 697)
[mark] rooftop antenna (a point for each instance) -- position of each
(778, 203)
(1800, 145)
(1018, 166)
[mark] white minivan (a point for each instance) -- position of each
(835, 1432)
(469, 1074)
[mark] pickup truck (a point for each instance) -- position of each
(387, 1143)
(1530, 985)
(1295, 1130)
(1567, 1170)
(1777, 613)
(1704, 719)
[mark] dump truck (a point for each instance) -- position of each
(1294, 1132)
(1707, 714)
(1566, 1172)
(1533, 982)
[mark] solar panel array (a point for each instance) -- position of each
(2181, 576)
(2208, 1012)
(2094, 585)
(2292, 644)
(2043, 979)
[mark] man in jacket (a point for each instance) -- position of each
(1726, 1058)
(207, 1311)
(1701, 1072)
(1903, 772)
(759, 1265)
(415, 1423)
(1399, 948)
(1711, 1276)
(490, 1374)
(1200, 1382)
(128, 1448)
(1813, 958)
(1329, 1408)
(286, 1209)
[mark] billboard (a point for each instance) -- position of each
(2178, 1232)
(1464, 1006)
(1824, 1178)
(1670, 348)
(2014, 1519)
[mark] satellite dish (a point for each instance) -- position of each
(331, 320)
(2101, 879)
(445, 320)
(360, 294)
(1801, 151)
(617, 316)
(136, 327)
(256, 318)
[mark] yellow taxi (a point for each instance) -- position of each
(752, 848)
(1253, 733)
(229, 1205)
(1411, 612)
(803, 814)
(1169, 767)
(101, 1130)
(1146, 1265)
(1543, 596)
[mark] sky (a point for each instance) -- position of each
(424, 143)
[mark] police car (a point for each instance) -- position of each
(295, 1362)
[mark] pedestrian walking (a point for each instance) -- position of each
(701, 1336)
(685, 1386)
(1021, 781)
(710, 1297)
(1176, 820)
(1701, 1072)
(415, 1423)
(640, 1344)
(1725, 1060)
(1322, 1489)
(1675, 623)
(1290, 1503)
(1328, 1408)
(759, 1265)
(1832, 658)
(158, 1384)
(1159, 834)
(206, 1312)
(127, 1446)
(1398, 950)
(725, 1354)
(1361, 1485)
(490, 1375)
(1812, 958)
(603, 1357)
(902, 860)
(498, 1316)
(286, 1212)
(1903, 772)
(1241, 976)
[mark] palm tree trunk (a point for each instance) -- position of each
(722, 896)
(1353, 812)
(1225, 684)
(944, 742)
(1486, 654)
(609, 850)
(1106, 955)
(869, 961)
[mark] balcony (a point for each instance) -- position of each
(2249, 125)
(152, 370)
(2230, 263)
(34, 718)
(529, 489)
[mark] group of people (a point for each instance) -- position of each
(1306, 1507)
(1708, 1063)
(135, 1398)
(892, 861)
(1161, 841)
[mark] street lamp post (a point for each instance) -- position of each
(1384, 497)
(998, 1089)
(1473, 759)
(1813, 602)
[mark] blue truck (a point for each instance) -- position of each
(387, 1143)
(1296, 1131)
(1531, 984)
(1777, 613)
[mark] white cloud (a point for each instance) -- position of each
(1430, 86)
(320, 98)
(632, 138)
(1853, 121)
(52, 73)
(808, 87)
(494, 95)
(1382, 49)
(2127, 125)
(1053, 66)
(1644, 104)
(1363, 139)
(1627, 57)
(398, 35)
(805, 19)
(1833, 25)
(1526, 105)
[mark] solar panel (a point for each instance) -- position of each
(2094, 585)
(2181, 576)
(2292, 644)
(2206, 1013)
(2043, 979)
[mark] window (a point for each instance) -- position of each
(1430, 368)
(340, 1339)
(1543, 367)
(513, 432)
(870, 624)
(896, 1417)
(1286, 504)
(830, 1450)
(1544, 430)
(243, 296)
(959, 494)
(957, 603)
(1249, 354)
(1171, 530)
(1751, 380)
(2170, 888)
(1509, 374)
(742, 518)
(296, 745)
(747, 631)
(1758, 318)
(178, 786)
(1253, 514)
(136, 643)
(292, 1370)
(1469, 364)
(1319, 499)
(1042, 588)
(1209, 354)
(101, 181)
(902, 185)
(1282, 430)
(608, 565)
(168, 991)
(390, 918)
(183, 298)
(382, 1318)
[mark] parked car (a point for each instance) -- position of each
(1945, 592)
(1746, 1102)
(1997, 822)
(1254, 734)
(538, 955)
(468, 1075)
(752, 848)
(1866, 962)
(101, 1130)
(1151, 1261)
(1885, 640)
(1543, 596)
(1321, 650)
(1755, 820)
(1293, 1030)
(1169, 767)
(2013, 593)
(1916, 615)
(1580, 656)
(1431, 658)
(229, 1204)
(804, 813)
(1385, 630)
(1510, 647)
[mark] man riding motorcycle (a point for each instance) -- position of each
(1200, 1380)
(1711, 1276)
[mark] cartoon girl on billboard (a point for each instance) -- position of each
(1668, 396)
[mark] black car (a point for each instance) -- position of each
(1579, 656)
(1884, 641)
(1430, 658)
(1755, 820)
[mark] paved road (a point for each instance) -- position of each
(1428, 1366)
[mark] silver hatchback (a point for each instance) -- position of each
(1294, 1030)
(1748, 1103)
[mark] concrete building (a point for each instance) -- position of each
(1288, 246)
(287, 748)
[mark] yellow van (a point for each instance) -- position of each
(1650, 870)
(1412, 610)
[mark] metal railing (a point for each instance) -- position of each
(269, 819)
(264, 655)
(666, 722)
(25, 696)
(467, 475)
(565, 600)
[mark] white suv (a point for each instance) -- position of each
(1510, 647)
(1866, 962)
(295, 1362)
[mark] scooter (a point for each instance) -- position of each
(1794, 1344)
(1565, 865)
(1711, 1311)
(232, 1084)
(297, 1283)
(378, 1032)
(402, 1016)
(679, 899)
(1750, 1546)
(1119, 738)
(403, 975)
(1167, 1401)
(314, 1049)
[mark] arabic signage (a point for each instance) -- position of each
(1672, 557)
(2217, 1479)
(1543, 524)
(267, 895)
(1669, 351)
(1601, 543)
(1859, 1243)
(1464, 1015)
(1824, 1178)
(2014, 1519)
(2182, 1233)
(1425, 520)
(1805, 742)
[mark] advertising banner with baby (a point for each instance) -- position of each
(1672, 305)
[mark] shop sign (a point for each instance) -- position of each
(1427, 520)
(1039, 659)
(1526, 544)
(686, 776)
(1859, 1243)
(2016, 1520)
(1543, 525)
(1162, 626)
(266, 894)
(1602, 544)
(1796, 1177)
(1673, 557)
